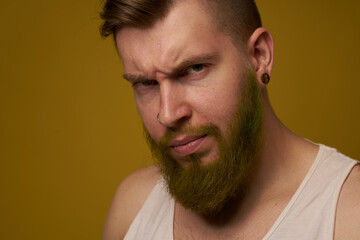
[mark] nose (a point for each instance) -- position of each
(174, 108)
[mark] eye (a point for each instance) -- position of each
(195, 68)
(146, 83)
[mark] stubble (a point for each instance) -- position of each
(206, 189)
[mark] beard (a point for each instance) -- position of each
(206, 189)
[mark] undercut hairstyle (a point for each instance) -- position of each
(237, 18)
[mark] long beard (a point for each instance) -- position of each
(207, 189)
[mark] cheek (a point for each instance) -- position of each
(221, 99)
(218, 105)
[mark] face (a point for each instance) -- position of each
(208, 189)
(192, 75)
(189, 73)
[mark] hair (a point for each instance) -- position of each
(237, 18)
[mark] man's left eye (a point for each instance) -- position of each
(195, 68)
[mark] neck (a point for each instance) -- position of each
(284, 160)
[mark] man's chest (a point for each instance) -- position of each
(251, 226)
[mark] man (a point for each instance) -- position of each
(226, 167)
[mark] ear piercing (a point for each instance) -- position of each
(265, 78)
(157, 117)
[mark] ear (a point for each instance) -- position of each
(260, 48)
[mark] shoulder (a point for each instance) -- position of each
(129, 197)
(348, 211)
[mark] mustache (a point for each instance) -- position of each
(169, 135)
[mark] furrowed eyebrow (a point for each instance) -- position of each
(133, 78)
(205, 58)
(199, 59)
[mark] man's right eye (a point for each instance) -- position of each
(145, 83)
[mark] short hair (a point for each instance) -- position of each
(237, 18)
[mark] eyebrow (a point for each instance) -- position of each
(133, 78)
(203, 58)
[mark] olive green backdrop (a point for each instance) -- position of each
(69, 130)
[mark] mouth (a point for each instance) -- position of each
(188, 145)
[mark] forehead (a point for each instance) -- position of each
(186, 30)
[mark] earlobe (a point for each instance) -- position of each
(261, 51)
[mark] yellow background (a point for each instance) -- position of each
(69, 130)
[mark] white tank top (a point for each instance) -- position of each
(310, 214)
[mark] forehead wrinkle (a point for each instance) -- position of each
(157, 58)
(168, 52)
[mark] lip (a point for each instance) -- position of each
(187, 145)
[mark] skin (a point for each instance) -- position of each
(162, 58)
(207, 189)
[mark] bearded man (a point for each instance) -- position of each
(226, 167)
